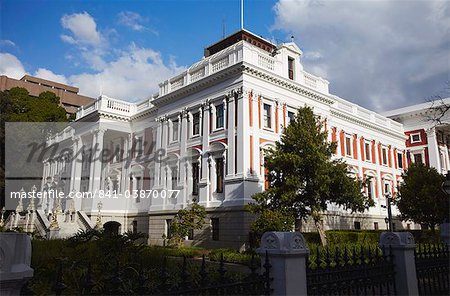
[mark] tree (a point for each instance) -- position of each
(304, 179)
(18, 106)
(439, 111)
(421, 197)
(185, 221)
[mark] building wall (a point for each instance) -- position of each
(238, 84)
(69, 97)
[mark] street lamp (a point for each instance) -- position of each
(389, 210)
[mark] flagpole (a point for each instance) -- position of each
(242, 14)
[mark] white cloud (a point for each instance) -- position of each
(131, 19)
(134, 75)
(49, 75)
(134, 21)
(6, 42)
(83, 28)
(380, 54)
(11, 66)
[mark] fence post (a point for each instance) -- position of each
(402, 246)
(15, 260)
(287, 254)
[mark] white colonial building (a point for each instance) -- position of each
(203, 135)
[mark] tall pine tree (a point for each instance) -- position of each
(304, 179)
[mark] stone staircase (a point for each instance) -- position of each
(37, 221)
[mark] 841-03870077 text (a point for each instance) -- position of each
(141, 194)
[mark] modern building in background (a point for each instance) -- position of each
(69, 97)
(212, 123)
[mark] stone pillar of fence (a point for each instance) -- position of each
(402, 246)
(287, 254)
(15, 260)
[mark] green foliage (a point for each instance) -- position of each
(303, 178)
(17, 105)
(185, 221)
(231, 256)
(421, 198)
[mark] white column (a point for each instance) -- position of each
(97, 162)
(182, 163)
(204, 178)
(231, 136)
(158, 147)
(73, 167)
(360, 153)
(242, 143)
(379, 181)
(338, 138)
(225, 114)
(279, 107)
(256, 130)
(165, 137)
(433, 150)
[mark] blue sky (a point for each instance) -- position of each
(380, 54)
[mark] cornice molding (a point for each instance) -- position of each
(363, 123)
(249, 69)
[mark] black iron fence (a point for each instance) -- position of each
(432, 269)
(172, 278)
(355, 271)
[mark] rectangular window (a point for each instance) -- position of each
(215, 228)
(175, 130)
(415, 138)
(291, 68)
(387, 188)
(357, 225)
(408, 226)
(219, 116)
(418, 158)
(138, 188)
(138, 146)
(370, 188)
(267, 116)
(168, 228)
(375, 225)
(400, 160)
(135, 227)
(367, 151)
(196, 124)
(174, 173)
(195, 177)
(291, 116)
(118, 153)
(219, 175)
(384, 155)
(348, 146)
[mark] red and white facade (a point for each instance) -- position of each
(428, 141)
(212, 122)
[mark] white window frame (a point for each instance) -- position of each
(368, 159)
(348, 136)
(415, 134)
(136, 151)
(192, 124)
(214, 117)
(400, 152)
(171, 139)
(383, 149)
(289, 118)
(272, 115)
